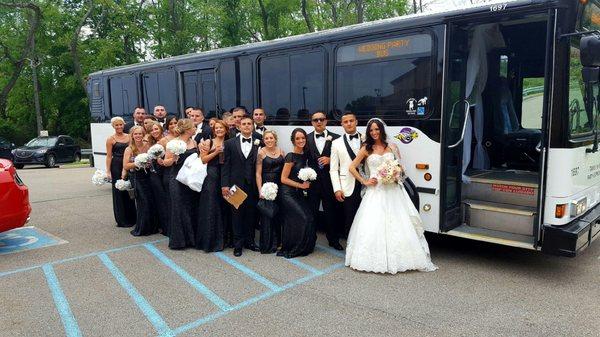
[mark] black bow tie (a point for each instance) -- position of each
(354, 136)
(319, 135)
(246, 140)
(261, 128)
(161, 120)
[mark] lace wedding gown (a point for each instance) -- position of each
(387, 233)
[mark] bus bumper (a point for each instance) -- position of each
(572, 238)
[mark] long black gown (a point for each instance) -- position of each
(299, 232)
(160, 196)
(184, 203)
(270, 229)
(147, 219)
(123, 206)
(210, 233)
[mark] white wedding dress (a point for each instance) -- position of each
(387, 232)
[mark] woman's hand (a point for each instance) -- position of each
(305, 185)
(370, 182)
(108, 176)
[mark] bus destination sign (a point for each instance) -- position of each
(406, 45)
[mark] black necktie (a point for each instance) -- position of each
(354, 136)
(319, 135)
(246, 140)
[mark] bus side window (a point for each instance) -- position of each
(533, 103)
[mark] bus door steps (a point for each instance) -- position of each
(499, 217)
(506, 187)
(496, 237)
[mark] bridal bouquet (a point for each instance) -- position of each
(269, 191)
(142, 161)
(307, 174)
(176, 146)
(99, 178)
(156, 151)
(390, 172)
(123, 185)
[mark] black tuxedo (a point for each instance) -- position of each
(129, 125)
(321, 190)
(255, 135)
(204, 133)
(241, 171)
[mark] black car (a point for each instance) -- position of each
(47, 151)
(6, 148)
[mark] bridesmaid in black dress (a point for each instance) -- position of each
(123, 206)
(171, 133)
(159, 193)
(210, 234)
(268, 170)
(184, 201)
(146, 223)
(299, 232)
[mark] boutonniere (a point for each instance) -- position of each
(256, 142)
(328, 138)
(363, 138)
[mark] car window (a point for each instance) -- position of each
(69, 140)
(42, 141)
(4, 142)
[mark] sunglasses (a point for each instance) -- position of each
(318, 120)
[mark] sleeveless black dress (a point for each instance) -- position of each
(159, 195)
(123, 206)
(147, 219)
(270, 228)
(299, 234)
(184, 204)
(210, 234)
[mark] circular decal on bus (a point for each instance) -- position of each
(407, 135)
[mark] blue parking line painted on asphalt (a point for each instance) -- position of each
(332, 251)
(157, 321)
(251, 273)
(304, 266)
(201, 288)
(62, 305)
(75, 258)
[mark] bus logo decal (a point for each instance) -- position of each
(407, 135)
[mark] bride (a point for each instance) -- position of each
(387, 233)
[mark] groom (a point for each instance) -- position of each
(343, 152)
(239, 169)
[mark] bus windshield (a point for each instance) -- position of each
(582, 121)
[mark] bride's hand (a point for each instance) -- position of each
(370, 182)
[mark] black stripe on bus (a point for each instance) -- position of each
(100, 153)
(426, 190)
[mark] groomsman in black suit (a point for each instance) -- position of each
(239, 113)
(202, 128)
(239, 168)
(259, 117)
(160, 113)
(321, 191)
(139, 114)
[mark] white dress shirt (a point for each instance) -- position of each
(246, 147)
(354, 143)
(199, 128)
(320, 141)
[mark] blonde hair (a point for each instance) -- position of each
(116, 119)
(183, 125)
(134, 150)
(273, 133)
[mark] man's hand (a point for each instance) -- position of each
(339, 196)
(324, 161)
(225, 192)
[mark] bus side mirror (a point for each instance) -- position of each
(589, 47)
(590, 74)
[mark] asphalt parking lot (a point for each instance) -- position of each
(101, 281)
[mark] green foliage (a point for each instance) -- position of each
(120, 32)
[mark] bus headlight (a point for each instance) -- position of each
(578, 207)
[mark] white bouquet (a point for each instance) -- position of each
(99, 178)
(142, 160)
(307, 174)
(123, 185)
(269, 191)
(176, 146)
(390, 172)
(156, 151)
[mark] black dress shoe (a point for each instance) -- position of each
(237, 252)
(252, 247)
(336, 245)
(280, 253)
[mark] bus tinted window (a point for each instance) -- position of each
(292, 86)
(391, 88)
(246, 83)
(227, 84)
(581, 122)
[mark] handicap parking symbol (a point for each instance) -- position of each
(26, 238)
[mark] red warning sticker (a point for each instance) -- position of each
(513, 189)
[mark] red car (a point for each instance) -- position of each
(14, 198)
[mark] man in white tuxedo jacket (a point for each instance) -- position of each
(343, 151)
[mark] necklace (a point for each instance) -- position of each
(272, 153)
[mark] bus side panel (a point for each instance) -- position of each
(572, 176)
(100, 132)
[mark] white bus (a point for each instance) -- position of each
(494, 108)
